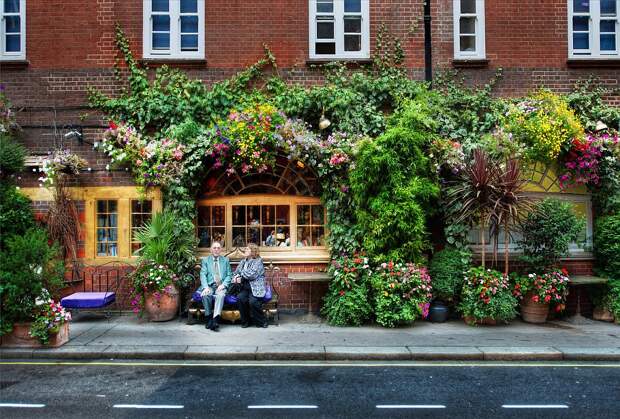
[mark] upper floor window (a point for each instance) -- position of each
(174, 29)
(594, 28)
(339, 29)
(469, 30)
(13, 30)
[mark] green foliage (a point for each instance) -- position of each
(447, 270)
(607, 245)
(27, 265)
(393, 187)
(346, 302)
(487, 294)
(12, 155)
(587, 101)
(547, 233)
(16, 215)
(611, 301)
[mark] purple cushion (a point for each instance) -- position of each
(88, 300)
(231, 300)
(196, 297)
(268, 294)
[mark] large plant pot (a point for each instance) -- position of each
(438, 312)
(20, 337)
(487, 321)
(602, 315)
(163, 308)
(533, 312)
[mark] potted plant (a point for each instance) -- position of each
(487, 297)
(402, 292)
(539, 292)
(608, 304)
(447, 270)
(154, 290)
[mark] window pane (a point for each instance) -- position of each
(326, 48)
(353, 24)
(204, 216)
(141, 206)
(13, 43)
(283, 212)
(317, 215)
(268, 215)
(238, 215)
(467, 25)
(253, 214)
(189, 42)
(352, 6)
(11, 6)
(580, 6)
(581, 23)
(189, 24)
(161, 41)
(239, 236)
(219, 234)
(303, 237)
(608, 42)
(12, 24)
(468, 43)
(189, 6)
(303, 214)
(468, 6)
(608, 26)
(325, 30)
(352, 42)
(254, 235)
(581, 41)
(161, 23)
(218, 215)
(325, 7)
(111, 206)
(283, 236)
(318, 236)
(268, 237)
(608, 7)
(101, 206)
(160, 5)
(204, 238)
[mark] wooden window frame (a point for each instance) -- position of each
(594, 16)
(13, 56)
(175, 52)
(339, 16)
(480, 52)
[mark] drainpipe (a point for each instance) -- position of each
(428, 63)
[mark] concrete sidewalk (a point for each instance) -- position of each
(308, 338)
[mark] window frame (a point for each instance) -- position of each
(480, 31)
(594, 32)
(289, 253)
(174, 52)
(339, 33)
(11, 56)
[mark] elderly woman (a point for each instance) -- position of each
(250, 273)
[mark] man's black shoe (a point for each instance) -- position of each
(209, 324)
(215, 326)
(263, 326)
(245, 325)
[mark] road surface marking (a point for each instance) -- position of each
(411, 406)
(21, 405)
(283, 406)
(534, 406)
(148, 406)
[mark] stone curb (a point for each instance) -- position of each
(315, 353)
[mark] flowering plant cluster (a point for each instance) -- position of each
(346, 302)
(548, 288)
(545, 124)
(58, 162)
(487, 294)
(48, 316)
(150, 278)
(402, 293)
(447, 154)
(583, 160)
(155, 162)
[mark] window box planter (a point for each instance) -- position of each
(20, 337)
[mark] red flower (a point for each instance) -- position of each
(341, 293)
(547, 298)
(113, 125)
(565, 272)
(535, 298)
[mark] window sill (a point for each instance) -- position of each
(321, 61)
(174, 61)
(470, 63)
(281, 258)
(14, 64)
(593, 62)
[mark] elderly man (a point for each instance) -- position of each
(215, 277)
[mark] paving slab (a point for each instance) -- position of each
(443, 353)
(590, 354)
(233, 353)
(290, 352)
(517, 353)
(144, 352)
(71, 352)
(354, 353)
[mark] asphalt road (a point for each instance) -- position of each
(187, 390)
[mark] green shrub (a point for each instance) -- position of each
(607, 245)
(548, 232)
(15, 213)
(611, 301)
(28, 265)
(12, 155)
(346, 302)
(447, 270)
(487, 294)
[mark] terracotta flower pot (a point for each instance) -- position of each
(533, 312)
(602, 315)
(20, 337)
(163, 308)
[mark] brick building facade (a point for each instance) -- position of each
(56, 50)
